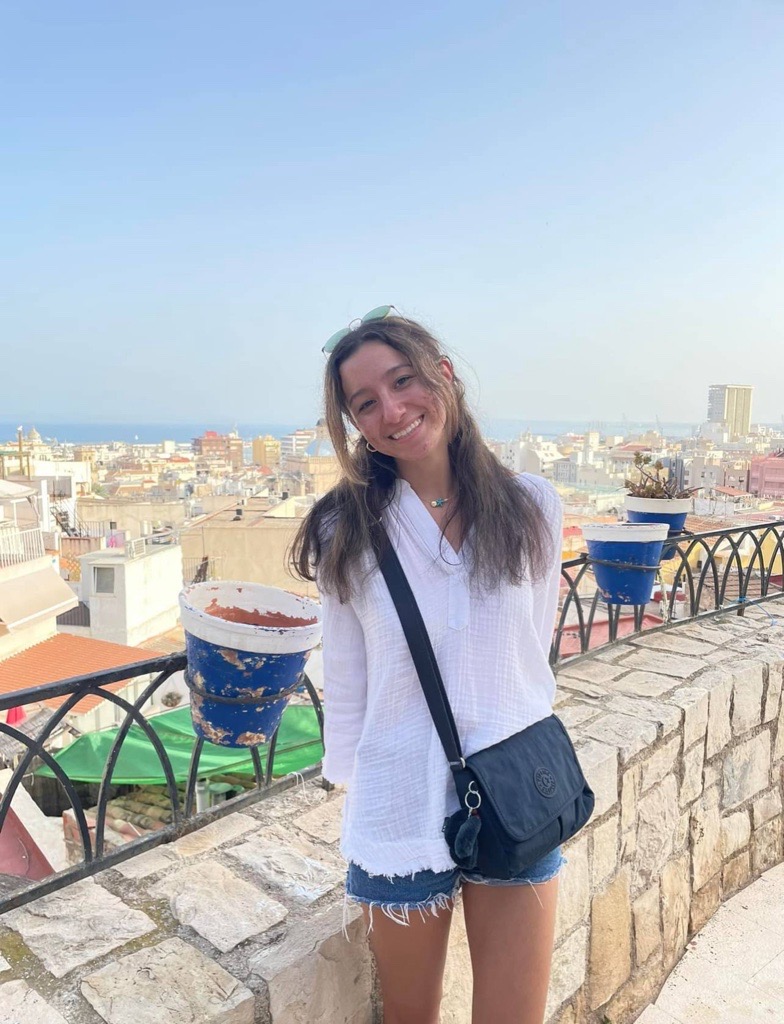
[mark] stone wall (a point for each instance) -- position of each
(682, 737)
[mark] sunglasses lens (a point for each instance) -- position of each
(377, 314)
(337, 337)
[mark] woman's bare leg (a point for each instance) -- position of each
(510, 935)
(410, 961)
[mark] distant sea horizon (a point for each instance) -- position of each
(499, 429)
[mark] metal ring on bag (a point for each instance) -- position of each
(473, 791)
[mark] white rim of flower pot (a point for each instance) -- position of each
(240, 636)
(659, 505)
(626, 533)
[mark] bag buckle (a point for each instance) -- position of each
(458, 764)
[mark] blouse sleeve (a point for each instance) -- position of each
(345, 687)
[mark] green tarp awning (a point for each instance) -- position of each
(299, 746)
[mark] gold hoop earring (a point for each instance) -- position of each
(370, 447)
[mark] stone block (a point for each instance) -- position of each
(568, 969)
(4, 965)
(600, 766)
(712, 774)
(611, 940)
(778, 749)
(604, 858)
(666, 717)
(773, 692)
(628, 735)
(644, 684)
(746, 769)
(577, 687)
(298, 868)
(735, 833)
(676, 665)
(577, 713)
(675, 907)
(170, 982)
(661, 763)
(766, 846)
(647, 924)
(631, 998)
(146, 864)
(315, 976)
(222, 908)
(574, 887)
(589, 671)
(77, 924)
(20, 1004)
(747, 703)
(682, 832)
(704, 904)
(694, 702)
(213, 835)
(324, 821)
(736, 873)
(458, 979)
(766, 807)
(705, 838)
(673, 641)
(657, 821)
(631, 783)
(719, 734)
(693, 762)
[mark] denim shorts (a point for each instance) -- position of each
(431, 891)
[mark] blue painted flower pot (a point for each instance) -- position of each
(246, 646)
(672, 511)
(625, 558)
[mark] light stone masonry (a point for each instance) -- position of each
(604, 858)
(773, 693)
(735, 833)
(75, 925)
(746, 770)
(241, 921)
(222, 908)
(644, 684)
(171, 982)
(747, 704)
(574, 887)
(629, 735)
(694, 701)
(20, 1004)
(661, 763)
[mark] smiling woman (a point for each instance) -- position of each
(481, 550)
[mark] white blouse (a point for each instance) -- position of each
(492, 649)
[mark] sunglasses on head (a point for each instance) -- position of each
(379, 313)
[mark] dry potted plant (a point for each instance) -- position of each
(654, 497)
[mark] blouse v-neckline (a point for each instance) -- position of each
(426, 529)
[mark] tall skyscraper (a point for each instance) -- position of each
(731, 404)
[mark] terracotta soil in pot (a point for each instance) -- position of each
(255, 617)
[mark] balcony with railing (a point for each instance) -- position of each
(19, 544)
(676, 711)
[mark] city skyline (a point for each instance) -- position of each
(583, 203)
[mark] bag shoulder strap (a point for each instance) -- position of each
(422, 654)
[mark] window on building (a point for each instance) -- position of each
(103, 580)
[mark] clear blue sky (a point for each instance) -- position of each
(583, 199)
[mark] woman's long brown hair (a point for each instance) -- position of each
(503, 522)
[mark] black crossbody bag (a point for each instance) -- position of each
(520, 798)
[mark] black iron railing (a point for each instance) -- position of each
(35, 750)
(710, 573)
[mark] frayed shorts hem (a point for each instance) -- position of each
(428, 892)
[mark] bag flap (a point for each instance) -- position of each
(529, 778)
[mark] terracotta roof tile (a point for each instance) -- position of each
(63, 656)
